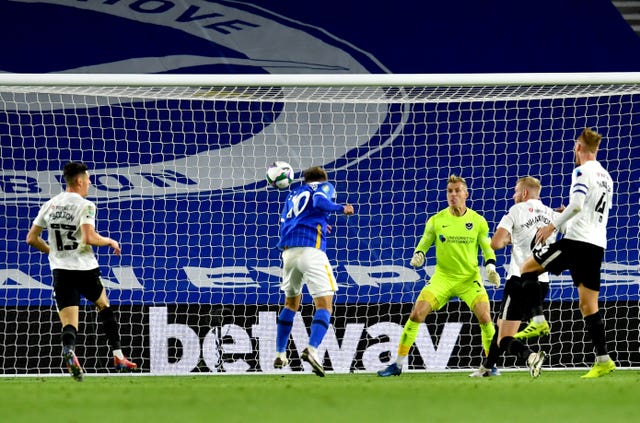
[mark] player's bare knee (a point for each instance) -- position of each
(420, 311)
(587, 308)
(292, 303)
(325, 302)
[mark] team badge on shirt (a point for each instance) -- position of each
(468, 225)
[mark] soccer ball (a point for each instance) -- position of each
(280, 175)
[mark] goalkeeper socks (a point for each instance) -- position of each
(488, 331)
(595, 327)
(319, 326)
(69, 336)
(283, 329)
(110, 327)
(408, 337)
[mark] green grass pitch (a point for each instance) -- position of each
(557, 396)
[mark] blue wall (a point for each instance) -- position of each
(395, 178)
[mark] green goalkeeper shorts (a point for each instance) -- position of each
(441, 289)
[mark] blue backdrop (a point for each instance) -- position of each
(396, 181)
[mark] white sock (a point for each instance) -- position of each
(400, 360)
(118, 354)
(603, 358)
(538, 319)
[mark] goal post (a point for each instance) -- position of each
(178, 168)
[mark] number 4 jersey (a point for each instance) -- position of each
(592, 190)
(63, 216)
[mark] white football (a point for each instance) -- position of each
(280, 175)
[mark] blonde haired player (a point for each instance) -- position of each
(581, 250)
(457, 233)
(518, 227)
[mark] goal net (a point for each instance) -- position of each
(178, 169)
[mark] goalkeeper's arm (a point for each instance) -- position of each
(489, 256)
(425, 242)
(492, 274)
(418, 259)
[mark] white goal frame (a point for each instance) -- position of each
(544, 90)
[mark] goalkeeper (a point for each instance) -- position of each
(457, 232)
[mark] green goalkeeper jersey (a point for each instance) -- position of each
(457, 239)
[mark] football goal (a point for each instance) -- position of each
(178, 165)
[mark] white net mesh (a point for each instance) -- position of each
(178, 174)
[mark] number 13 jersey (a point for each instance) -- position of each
(63, 216)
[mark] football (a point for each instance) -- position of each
(280, 175)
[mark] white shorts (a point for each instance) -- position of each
(307, 265)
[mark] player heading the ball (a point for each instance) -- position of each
(303, 229)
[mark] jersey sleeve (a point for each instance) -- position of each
(484, 241)
(554, 218)
(428, 237)
(506, 222)
(88, 215)
(39, 220)
(579, 190)
(323, 198)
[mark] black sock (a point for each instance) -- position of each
(531, 293)
(69, 336)
(110, 327)
(595, 327)
(512, 346)
(494, 353)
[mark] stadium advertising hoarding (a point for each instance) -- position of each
(213, 339)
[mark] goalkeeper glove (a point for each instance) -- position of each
(492, 275)
(418, 259)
